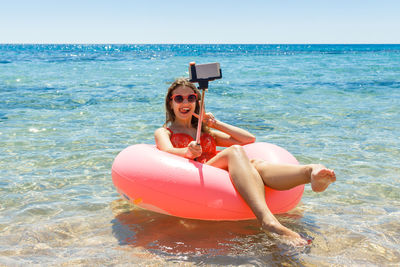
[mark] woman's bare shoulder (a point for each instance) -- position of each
(162, 130)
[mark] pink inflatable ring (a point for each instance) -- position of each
(173, 185)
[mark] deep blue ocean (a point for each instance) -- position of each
(66, 111)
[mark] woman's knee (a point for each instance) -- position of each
(236, 149)
(257, 163)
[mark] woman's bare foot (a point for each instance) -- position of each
(321, 177)
(287, 235)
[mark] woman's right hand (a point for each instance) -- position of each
(193, 150)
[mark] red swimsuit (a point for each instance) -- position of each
(208, 144)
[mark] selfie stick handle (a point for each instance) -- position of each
(203, 87)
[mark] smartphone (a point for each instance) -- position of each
(204, 72)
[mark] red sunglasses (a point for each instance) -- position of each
(179, 98)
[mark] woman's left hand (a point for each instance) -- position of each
(208, 119)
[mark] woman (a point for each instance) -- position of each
(248, 176)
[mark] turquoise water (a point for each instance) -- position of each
(67, 110)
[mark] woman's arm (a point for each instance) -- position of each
(227, 135)
(162, 137)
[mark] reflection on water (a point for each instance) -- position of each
(200, 242)
(148, 235)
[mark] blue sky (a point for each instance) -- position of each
(202, 21)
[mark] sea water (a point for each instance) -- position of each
(66, 111)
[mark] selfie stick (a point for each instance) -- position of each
(202, 74)
(203, 87)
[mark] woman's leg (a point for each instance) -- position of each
(250, 185)
(287, 176)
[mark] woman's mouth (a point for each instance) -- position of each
(184, 110)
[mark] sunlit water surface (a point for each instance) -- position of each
(67, 110)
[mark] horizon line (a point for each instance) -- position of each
(123, 43)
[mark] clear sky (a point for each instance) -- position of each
(201, 21)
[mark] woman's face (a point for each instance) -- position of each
(184, 110)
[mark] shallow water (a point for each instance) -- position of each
(67, 110)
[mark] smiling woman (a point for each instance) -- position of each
(181, 105)
(248, 174)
